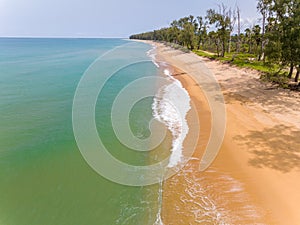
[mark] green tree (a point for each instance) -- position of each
(188, 26)
(283, 33)
(175, 32)
(249, 39)
(263, 6)
(215, 39)
(257, 36)
(222, 22)
(201, 32)
(288, 16)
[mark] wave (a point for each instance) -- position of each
(170, 106)
(152, 54)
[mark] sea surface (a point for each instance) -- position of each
(44, 178)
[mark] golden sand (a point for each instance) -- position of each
(255, 178)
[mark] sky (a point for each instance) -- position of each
(103, 18)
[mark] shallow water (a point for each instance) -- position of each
(43, 177)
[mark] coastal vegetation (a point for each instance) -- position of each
(271, 46)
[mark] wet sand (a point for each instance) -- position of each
(255, 177)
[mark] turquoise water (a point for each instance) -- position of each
(43, 177)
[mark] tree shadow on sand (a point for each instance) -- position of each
(276, 148)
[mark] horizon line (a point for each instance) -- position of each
(70, 37)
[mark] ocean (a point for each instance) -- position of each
(51, 98)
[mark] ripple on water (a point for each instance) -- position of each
(210, 197)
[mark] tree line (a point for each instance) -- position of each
(275, 40)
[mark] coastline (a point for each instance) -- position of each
(255, 177)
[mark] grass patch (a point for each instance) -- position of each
(177, 47)
(270, 72)
(206, 54)
(242, 60)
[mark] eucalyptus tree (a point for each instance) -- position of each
(201, 32)
(263, 6)
(249, 39)
(216, 40)
(257, 36)
(222, 22)
(175, 31)
(273, 48)
(232, 16)
(283, 33)
(288, 16)
(190, 26)
(238, 13)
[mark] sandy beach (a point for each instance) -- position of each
(255, 177)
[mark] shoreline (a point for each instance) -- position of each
(255, 189)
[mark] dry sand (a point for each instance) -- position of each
(255, 178)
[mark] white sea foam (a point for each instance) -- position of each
(158, 215)
(170, 107)
(152, 54)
